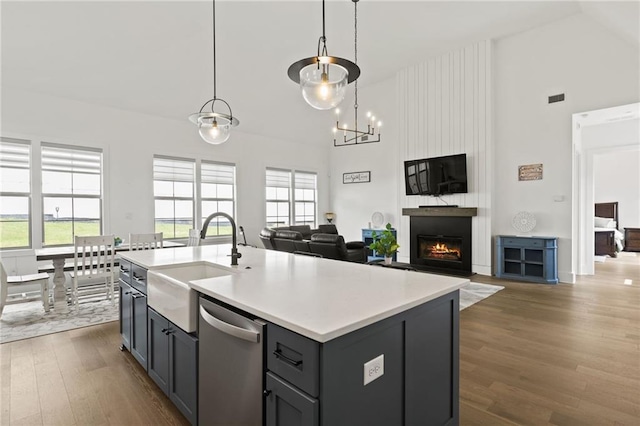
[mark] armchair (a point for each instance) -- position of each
(332, 246)
(266, 236)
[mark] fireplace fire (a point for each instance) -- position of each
(440, 248)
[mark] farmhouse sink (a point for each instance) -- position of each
(169, 294)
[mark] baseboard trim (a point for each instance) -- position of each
(567, 277)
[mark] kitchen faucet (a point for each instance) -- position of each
(234, 250)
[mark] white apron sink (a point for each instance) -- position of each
(169, 293)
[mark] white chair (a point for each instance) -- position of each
(18, 280)
(194, 238)
(93, 261)
(145, 241)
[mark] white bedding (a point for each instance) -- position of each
(617, 235)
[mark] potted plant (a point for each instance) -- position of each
(384, 243)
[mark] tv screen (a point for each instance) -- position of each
(436, 175)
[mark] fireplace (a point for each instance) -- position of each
(440, 239)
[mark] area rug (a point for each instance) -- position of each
(475, 292)
(25, 320)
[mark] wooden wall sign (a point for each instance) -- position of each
(356, 177)
(530, 172)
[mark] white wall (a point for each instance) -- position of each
(130, 140)
(354, 203)
(439, 107)
(617, 178)
(595, 69)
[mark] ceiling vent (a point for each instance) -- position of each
(556, 98)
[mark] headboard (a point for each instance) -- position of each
(608, 210)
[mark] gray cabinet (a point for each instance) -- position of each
(173, 361)
(133, 314)
(288, 406)
(311, 383)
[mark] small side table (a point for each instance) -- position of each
(631, 239)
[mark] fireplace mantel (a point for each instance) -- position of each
(441, 211)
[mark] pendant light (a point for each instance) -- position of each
(323, 79)
(214, 127)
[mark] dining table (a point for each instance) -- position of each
(58, 257)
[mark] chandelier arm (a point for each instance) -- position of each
(207, 103)
(228, 106)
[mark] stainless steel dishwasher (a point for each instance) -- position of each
(230, 363)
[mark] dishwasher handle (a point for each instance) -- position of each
(239, 332)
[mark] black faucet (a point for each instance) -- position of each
(234, 250)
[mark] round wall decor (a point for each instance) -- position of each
(524, 221)
(377, 219)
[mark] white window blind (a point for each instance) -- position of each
(305, 180)
(278, 178)
(71, 160)
(218, 173)
(174, 170)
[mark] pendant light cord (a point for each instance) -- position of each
(214, 53)
(323, 39)
(355, 58)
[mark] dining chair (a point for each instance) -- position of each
(145, 241)
(93, 262)
(7, 281)
(194, 238)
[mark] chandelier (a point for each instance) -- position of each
(357, 136)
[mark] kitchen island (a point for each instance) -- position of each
(345, 343)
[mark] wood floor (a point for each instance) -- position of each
(531, 354)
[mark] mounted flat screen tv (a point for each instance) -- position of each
(436, 175)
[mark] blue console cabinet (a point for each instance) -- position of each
(367, 238)
(527, 258)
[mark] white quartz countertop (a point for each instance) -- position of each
(319, 298)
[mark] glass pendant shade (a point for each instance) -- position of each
(323, 86)
(214, 133)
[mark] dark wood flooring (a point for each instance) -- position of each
(532, 354)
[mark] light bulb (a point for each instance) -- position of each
(323, 86)
(337, 111)
(379, 123)
(335, 129)
(368, 113)
(214, 132)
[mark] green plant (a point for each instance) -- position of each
(384, 243)
(117, 241)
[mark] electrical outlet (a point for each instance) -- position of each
(373, 369)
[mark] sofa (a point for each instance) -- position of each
(322, 242)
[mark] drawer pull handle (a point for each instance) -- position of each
(285, 358)
(138, 279)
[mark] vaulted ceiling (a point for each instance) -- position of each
(155, 57)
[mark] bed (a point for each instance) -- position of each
(608, 238)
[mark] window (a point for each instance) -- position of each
(278, 190)
(305, 198)
(15, 194)
(71, 193)
(217, 193)
(173, 189)
(286, 199)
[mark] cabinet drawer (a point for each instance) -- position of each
(293, 357)
(139, 278)
(125, 271)
(523, 242)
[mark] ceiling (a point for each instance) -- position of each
(155, 57)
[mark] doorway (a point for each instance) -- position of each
(596, 134)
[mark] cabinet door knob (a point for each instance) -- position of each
(266, 392)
